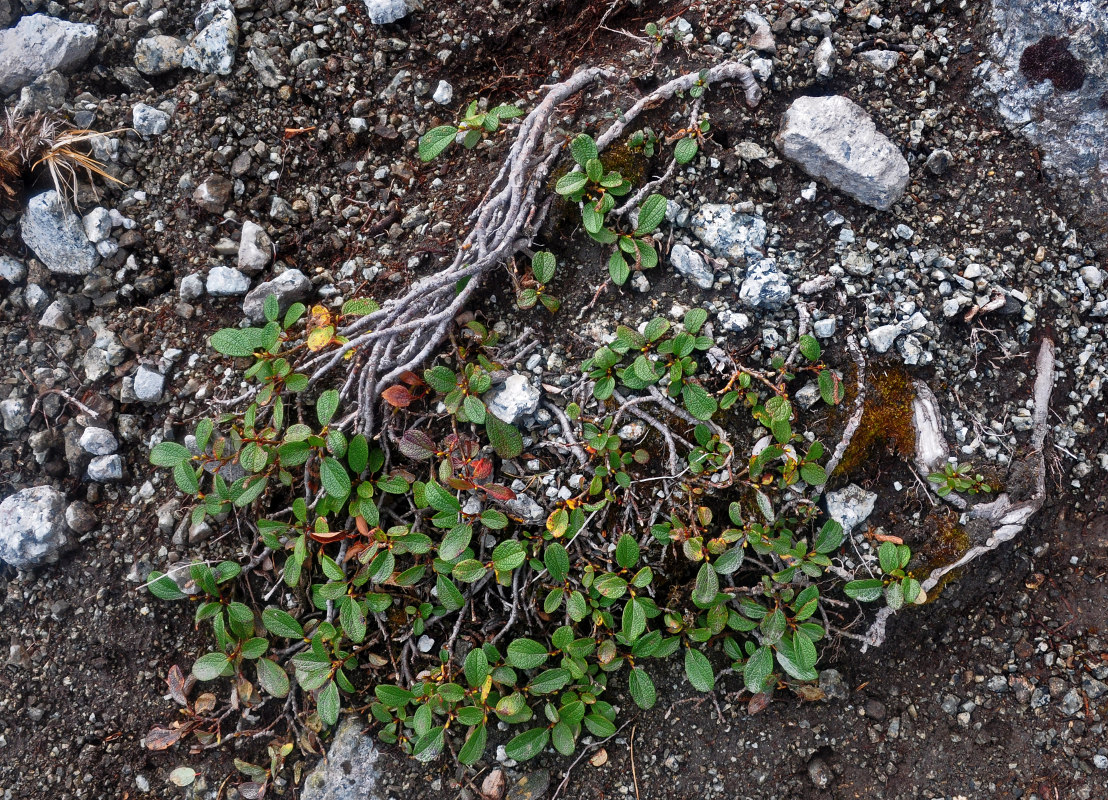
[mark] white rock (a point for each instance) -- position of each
(212, 50)
(824, 328)
(149, 385)
(690, 264)
(764, 286)
(56, 235)
(834, 139)
(104, 469)
(729, 233)
(98, 442)
(149, 121)
(97, 224)
(226, 282)
(57, 316)
(192, 288)
(850, 506)
(255, 248)
(16, 414)
(881, 60)
(732, 321)
(515, 398)
(1092, 277)
(382, 12)
(824, 58)
(444, 93)
(350, 769)
(882, 338)
(158, 55)
(32, 527)
(12, 270)
(39, 44)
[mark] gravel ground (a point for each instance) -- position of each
(995, 689)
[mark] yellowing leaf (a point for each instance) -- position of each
(320, 338)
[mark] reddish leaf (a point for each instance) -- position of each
(178, 689)
(417, 445)
(362, 525)
(498, 492)
(482, 470)
(326, 537)
(411, 379)
(205, 703)
(460, 484)
(397, 396)
(758, 702)
(162, 738)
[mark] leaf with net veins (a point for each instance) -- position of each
(397, 396)
(651, 213)
(505, 439)
(432, 143)
(699, 670)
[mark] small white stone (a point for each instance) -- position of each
(444, 93)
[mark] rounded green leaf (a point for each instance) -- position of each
(556, 560)
(210, 666)
(651, 213)
(699, 670)
(272, 678)
(526, 654)
(281, 623)
(432, 143)
(169, 454)
(642, 688)
(685, 151)
(543, 265)
(757, 670)
(583, 149)
(528, 744)
(571, 183)
(698, 402)
(335, 479)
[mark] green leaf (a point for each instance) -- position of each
(476, 667)
(809, 347)
(233, 342)
(469, 570)
(210, 666)
(392, 696)
(327, 704)
(562, 738)
(618, 269)
(651, 213)
(627, 551)
(830, 388)
(894, 596)
(335, 479)
(549, 681)
(729, 561)
(164, 587)
(432, 143)
(449, 594)
(455, 542)
(758, 668)
(887, 556)
(357, 454)
(505, 439)
(474, 409)
(813, 474)
(474, 745)
(685, 151)
(169, 454)
(583, 149)
(865, 591)
(185, 478)
(272, 678)
(699, 670)
(543, 265)
(326, 406)
(528, 744)
(642, 688)
(440, 499)
(571, 183)
(706, 587)
(526, 654)
(698, 402)
(352, 619)
(556, 560)
(694, 320)
(599, 726)
(281, 623)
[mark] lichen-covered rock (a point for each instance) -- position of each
(835, 140)
(729, 233)
(56, 235)
(212, 50)
(350, 770)
(158, 55)
(32, 527)
(288, 287)
(38, 44)
(689, 263)
(382, 12)
(764, 286)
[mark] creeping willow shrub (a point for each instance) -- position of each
(376, 547)
(373, 547)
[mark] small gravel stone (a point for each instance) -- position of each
(382, 12)
(444, 94)
(289, 286)
(764, 287)
(98, 441)
(12, 270)
(690, 264)
(16, 413)
(516, 398)
(149, 121)
(148, 385)
(158, 55)
(80, 517)
(255, 248)
(226, 282)
(192, 288)
(882, 337)
(212, 50)
(850, 506)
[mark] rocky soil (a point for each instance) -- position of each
(915, 171)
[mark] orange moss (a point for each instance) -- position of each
(886, 425)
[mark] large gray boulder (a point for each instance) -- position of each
(38, 44)
(32, 527)
(350, 771)
(1048, 78)
(56, 234)
(835, 140)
